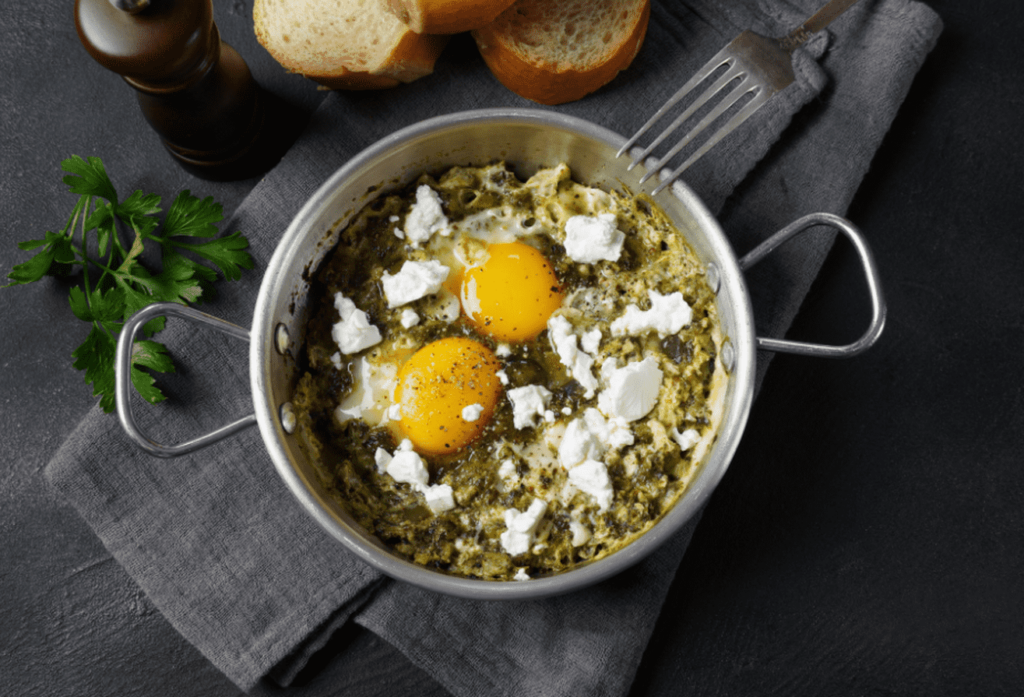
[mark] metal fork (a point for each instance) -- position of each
(761, 65)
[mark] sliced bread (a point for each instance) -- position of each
(344, 44)
(557, 52)
(447, 16)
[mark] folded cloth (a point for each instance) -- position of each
(244, 574)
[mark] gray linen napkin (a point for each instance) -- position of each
(215, 540)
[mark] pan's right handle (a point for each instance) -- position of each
(867, 260)
(123, 378)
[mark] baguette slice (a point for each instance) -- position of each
(447, 16)
(557, 52)
(344, 44)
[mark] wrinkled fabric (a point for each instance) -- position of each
(242, 572)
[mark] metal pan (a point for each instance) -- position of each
(526, 139)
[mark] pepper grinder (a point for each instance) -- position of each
(194, 90)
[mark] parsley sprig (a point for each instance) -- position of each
(106, 237)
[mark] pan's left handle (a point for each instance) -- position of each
(123, 379)
(871, 275)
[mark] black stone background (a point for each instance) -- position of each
(868, 538)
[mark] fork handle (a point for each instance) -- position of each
(816, 22)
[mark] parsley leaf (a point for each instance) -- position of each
(56, 249)
(97, 306)
(139, 209)
(115, 283)
(88, 178)
(96, 357)
(192, 217)
(154, 356)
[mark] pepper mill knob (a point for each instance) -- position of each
(194, 90)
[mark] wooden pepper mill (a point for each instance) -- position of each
(195, 90)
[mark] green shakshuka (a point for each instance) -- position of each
(503, 379)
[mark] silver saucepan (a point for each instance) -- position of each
(527, 139)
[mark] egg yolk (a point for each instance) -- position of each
(511, 295)
(435, 387)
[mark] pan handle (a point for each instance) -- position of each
(122, 378)
(867, 259)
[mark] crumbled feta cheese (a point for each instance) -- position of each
(687, 439)
(608, 368)
(395, 412)
(503, 350)
(567, 411)
(425, 217)
(613, 432)
(382, 457)
(408, 467)
(632, 391)
(344, 306)
(521, 575)
(354, 332)
(578, 444)
(528, 402)
(589, 239)
(668, 314)
(502, 376)
(440, 498)
(413, 281)
(562, 339)
(472, 412)
(579, 363)
(521, 527)
(588, 437)
(591, 341)
(409, 318)
(580, 533)
(549, 416)
(591, 477)
(336, 360)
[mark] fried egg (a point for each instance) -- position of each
(446, 393)
(512, 293)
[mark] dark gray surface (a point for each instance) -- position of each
(897, 568)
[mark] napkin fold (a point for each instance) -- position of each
(244, 574)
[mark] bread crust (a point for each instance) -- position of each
(546, 82)
(411, 57)
(447, 16)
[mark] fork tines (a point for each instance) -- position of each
(738, 71)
